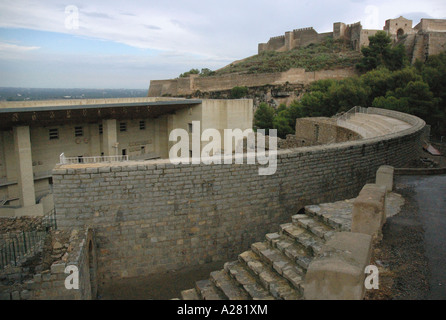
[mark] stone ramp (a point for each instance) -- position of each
(275, 268)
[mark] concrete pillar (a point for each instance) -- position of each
(161, 137)
(94, 140)
(25, 177)
(110, 137)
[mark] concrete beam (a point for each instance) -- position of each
(338, 272)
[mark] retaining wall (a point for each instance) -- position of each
(187, 86)
(153, 216)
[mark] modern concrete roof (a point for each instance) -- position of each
(54, 112)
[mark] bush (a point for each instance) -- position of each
(239, 92)
(263, 117)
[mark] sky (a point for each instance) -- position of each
(125, 44)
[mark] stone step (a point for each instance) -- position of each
(309, 241)
(294, 251)
(190, 294)
(369, 131)
(277, 285)
(239, 272)
(281, 263)
(337, 215)
(377, 122)
(313, 225)
(228, 286)
(208, 291)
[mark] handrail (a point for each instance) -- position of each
(346, 115)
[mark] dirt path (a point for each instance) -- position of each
(412, 254)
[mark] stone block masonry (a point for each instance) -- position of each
(154, 216)
(49, 284)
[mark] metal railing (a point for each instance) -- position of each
(348, 114)
(20, 244)
(98, 159)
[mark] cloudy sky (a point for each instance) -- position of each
(125, 44)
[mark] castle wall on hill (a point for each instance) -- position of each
(429, 25)
(356, 35)
(188, 86)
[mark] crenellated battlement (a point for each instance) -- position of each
(277, 38)
(303, 29)
(354, 24)
(358, 37)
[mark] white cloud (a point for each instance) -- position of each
(15, 48)
(190, 34)
(13, 51)
(229, 29)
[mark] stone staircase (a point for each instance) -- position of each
(275, 268)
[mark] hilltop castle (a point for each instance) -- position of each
(427, 38)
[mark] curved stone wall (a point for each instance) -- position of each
(153, 216)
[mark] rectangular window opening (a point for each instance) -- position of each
(54, 134)
(78, 131)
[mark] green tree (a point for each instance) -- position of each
(205, 72)
(346, 94)
(379, 52)
(264, 117)
(414, 98)
(239, 92)
(281, 122)
(382, 80)
(282, 107)
(434, 73)
(396, 57)
(294, 111)
(188, 73)
(377, 81)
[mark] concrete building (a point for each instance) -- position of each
(34, 135)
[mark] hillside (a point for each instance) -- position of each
(330, 54)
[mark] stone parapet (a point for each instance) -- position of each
(337, 273)
(369, 210)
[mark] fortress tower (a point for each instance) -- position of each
(427, 38)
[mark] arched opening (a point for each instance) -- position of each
(400, 33)
(92, 271)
